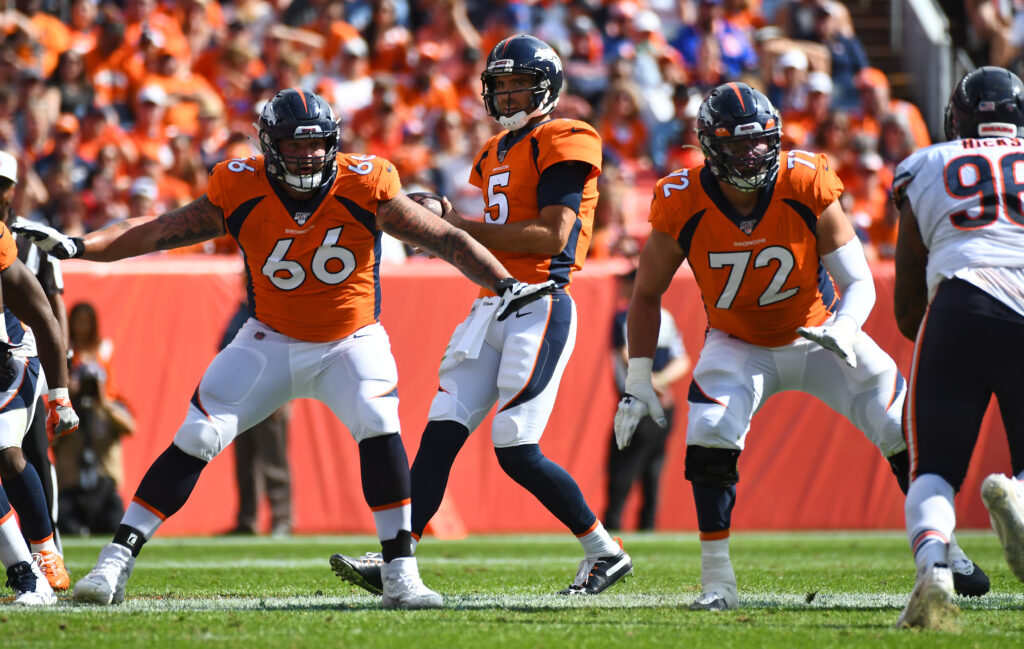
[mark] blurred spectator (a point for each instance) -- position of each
(869, 205)
(895, 141)
(426, 92)
(63, 158)
(89, 465)
(816, 108)
(611, 237)
(446, 23)
(787, 89)
(737, 51)
(389, 41)
(105, 64)
(622, 127)
(82, 25)
(380, 126)
(832, 137)
(351, 88)
(75, 88)
(847, 54)
(876, 101)
(149, 134)
(585, 71)
(798, 18)
(684, 150)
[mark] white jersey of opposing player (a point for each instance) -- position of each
(968, 198)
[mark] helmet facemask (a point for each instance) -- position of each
(496, 102)
(747, 161)
(298, 115)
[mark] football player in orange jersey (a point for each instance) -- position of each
(539, 183)
(308, 219)
(34, 569)
(768, 243)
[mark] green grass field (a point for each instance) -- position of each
(826, 589)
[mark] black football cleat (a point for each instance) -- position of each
(363, 571)
(594, 576)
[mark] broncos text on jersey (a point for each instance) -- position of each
(508, 179)
(759, 275)
(312, 265)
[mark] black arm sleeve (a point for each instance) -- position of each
(562, 184)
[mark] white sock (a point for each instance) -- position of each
(599, 543)
(930, 518)
(12, 544)
(48, 545)
(715, 565)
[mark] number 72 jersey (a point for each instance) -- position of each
(759, 274)
(312, 265)
(968, 200)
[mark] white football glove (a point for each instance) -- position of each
(837, 337)
(640, 401)
(61, 418)
(515, 295)
(52, 241)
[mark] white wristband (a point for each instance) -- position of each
(58, 393)
(639, 370)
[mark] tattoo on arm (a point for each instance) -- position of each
(408, 221)
(198, 221)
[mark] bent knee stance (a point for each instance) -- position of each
(549, 483)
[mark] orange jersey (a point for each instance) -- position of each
(313, 265)
(509, 181)
(759, 275)
(8, 249)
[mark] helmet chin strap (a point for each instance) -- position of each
(520, 119)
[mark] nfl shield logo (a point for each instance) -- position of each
(300, 217)
(747, 226)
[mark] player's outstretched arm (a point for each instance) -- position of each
(26, 299)
(198, 221)
(405, 219)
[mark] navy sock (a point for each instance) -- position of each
(26, 493)
(170, 480)
(549, 483)
(714, 505)
(384, 468)
(440, 444)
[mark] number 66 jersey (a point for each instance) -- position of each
(312, 265)
(759, 274)
(967, 199)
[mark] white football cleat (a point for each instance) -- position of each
(105, 584)
(931, 603)
(403, 587)
(29, 585)
(1004, 499)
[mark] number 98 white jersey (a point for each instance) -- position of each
(968, 199)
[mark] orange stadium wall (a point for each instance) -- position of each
(804, 467)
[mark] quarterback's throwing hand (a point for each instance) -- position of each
(52, 241)
(61, 417)
(515, 295)
(836, 337)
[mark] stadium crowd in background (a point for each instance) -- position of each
(121, 107)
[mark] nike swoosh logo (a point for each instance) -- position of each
(575, 130)
(520, 314)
